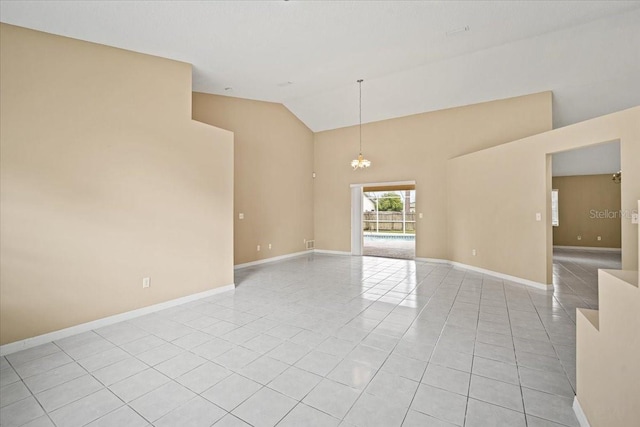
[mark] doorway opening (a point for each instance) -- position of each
(388, 221)
(586, 219)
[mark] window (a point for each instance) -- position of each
(555, 218)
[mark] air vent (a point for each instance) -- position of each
(311, 244)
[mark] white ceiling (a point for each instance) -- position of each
(587, 52)
(591, 160)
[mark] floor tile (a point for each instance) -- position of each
(482, 414)
(441, 404)
(495, 370)
(353, 374)
(547, 406)
(418, 419)
(372, 323)
(332, 398)
(231, 391)
(406, 367)
(198, 412)
(120, 370)
(161, 401)
(303, 415)
(68, 392)
(43, 421)
(85, 410)
(139, 384)
(180, 365)
(370, 356)
(42, 364)
(318, 363)
(231, 421)
(159, 354)
(236, 358)
(13, 392)
(496, 392)
(203, 377)
(265, 408)
(549, 382)
(295, 383)
(123, 416)
(372, 411)
(398, 391)
(20, 412)
(289, 352)
(447, 379)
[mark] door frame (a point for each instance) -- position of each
(356, 211)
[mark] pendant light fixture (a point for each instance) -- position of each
(360, 162)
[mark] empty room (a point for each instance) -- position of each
(319, 213)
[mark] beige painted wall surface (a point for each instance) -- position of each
(105, 180)
(273, 153)
(494, 196)
(414, 148)
(588, 206)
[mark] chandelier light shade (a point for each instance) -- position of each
(360, 162)
(617, 177)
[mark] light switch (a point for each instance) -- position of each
(538, 216)
(634, 218)
(240, 215)
(420, 215)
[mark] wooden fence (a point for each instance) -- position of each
(387, 221)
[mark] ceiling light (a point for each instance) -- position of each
(360, 162)
(617, 177)
(458, 30)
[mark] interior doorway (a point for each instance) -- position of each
(384, 220)
(586, 218)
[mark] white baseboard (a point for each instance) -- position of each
(589, 249)
(106, 321)
(520, 280)
(272, 259)
(327, 252)
(433, 260)
(580, 415)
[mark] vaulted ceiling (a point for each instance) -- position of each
(414, 56)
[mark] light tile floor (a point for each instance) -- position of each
(320, 340)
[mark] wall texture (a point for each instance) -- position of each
(104, 180)
(588, 206)
(414, 148)
(494, 196)
(273, 188)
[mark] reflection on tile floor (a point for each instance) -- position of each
(321, 340)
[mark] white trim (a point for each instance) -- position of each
(327, 252)
(383, 184)
(106, 321)
(589, 248)
(580, 415)
(433, 260)
(356, 220)
(520, 280)
(272, 259)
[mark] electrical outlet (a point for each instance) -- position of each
(269, 246)
(474, 252)
(579, 237)
(146, 282)
(599, 237)
(240, 215)
(258, 248)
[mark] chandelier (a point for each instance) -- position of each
(360, 162)
(617, 177)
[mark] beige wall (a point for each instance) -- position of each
(273, 167)
(414, 148)
(588, 206)
(104, 180)
(494, 195)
